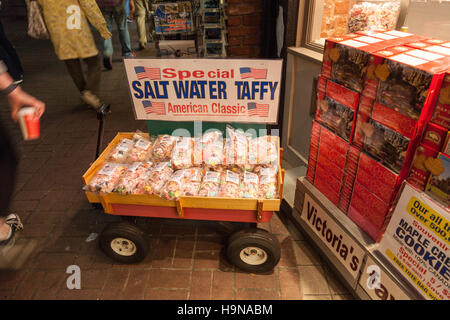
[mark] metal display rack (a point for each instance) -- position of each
(214, 31)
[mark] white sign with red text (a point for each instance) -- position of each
(220, 90)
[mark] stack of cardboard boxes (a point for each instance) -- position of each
(376, 94)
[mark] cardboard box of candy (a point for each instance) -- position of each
(336, 107)
(332, 165)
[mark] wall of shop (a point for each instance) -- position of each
(244, 24)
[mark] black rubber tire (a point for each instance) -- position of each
(129, 231)
(258, 238)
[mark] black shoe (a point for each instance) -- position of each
(107, 62)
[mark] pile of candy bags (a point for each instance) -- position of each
(237, 166)
(368, 16)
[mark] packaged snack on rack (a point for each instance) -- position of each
(174, 186)
(182, 153)
(107, 178)
(267, 150)
(140, 151)
(197, 152)
(250, 186)
(120, 153)
(133, 179)
(192, 181)
(268, 186)
(236, 148)
(230, 185)
(162, 149)
(210, 186)
(157, 177)
(212, 150)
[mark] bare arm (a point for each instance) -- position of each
(18, 98)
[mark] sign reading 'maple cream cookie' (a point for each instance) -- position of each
(221, 90)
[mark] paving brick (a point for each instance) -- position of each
(184, 251)
(222, 286)
(201, 285)
(255, 281)
(172, 279)
(207, 259)
(82, 294)
(313, 280)
(214, 242)
(289, 284)
(28, 286)
(136, 285)
(163, 252)
(247, 294)
(50, 285)
(166, 294)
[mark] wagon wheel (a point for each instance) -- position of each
(124, 242)
(253, 250)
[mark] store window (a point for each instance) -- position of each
(331, 18)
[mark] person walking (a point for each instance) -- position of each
(12, 255)
(70, 33)
(143, 8)
(9, 56)
(114, 11)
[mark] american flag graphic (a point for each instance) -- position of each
(253, 73)
(257, 109)
(149, 73)
(154, 107)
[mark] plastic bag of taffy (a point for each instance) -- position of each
(236, 148)
(174, 186)
(210, 186)
(250, 186)
(157, 177)
(162, 148)
(133, 179)
(268, 183)
(230, 186)
(212, 150)
(120, 152)
(141, 149)
(192, 181)
(197, 152)
(106, 178)
(182, 153)
(267, 150)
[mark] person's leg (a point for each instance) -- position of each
(9, 56)
(108, 43)
(93, 74)
(124, 36)
(76, 72)
(141, 13)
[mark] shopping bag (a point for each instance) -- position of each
(36, 24)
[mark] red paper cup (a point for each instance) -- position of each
(29, 126)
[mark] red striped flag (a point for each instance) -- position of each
(257, 109)
(253, 73)
(149, 73)
(154, 107)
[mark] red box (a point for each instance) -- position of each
(339, 145)
(377, 178)
(419, 172)
(329, 186)
(441, 113)
(361, 221)
(332, 154)
(334, 171)
(369, 205)
(434, 136)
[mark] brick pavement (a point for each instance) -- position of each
(185, 260)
